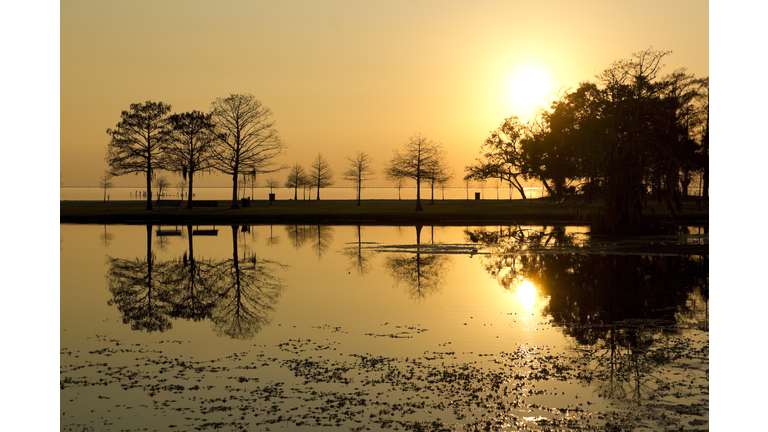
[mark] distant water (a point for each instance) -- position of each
(333, 193)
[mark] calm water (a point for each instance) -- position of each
(380, 328)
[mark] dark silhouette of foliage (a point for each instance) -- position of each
(189, 149)
(138, 141)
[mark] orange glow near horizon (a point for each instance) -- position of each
(343, 76)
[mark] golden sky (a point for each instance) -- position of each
(342, 75)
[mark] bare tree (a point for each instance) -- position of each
(247, 140)
(138, 140)
(417, 161)
(321, 173)
(161, 183)
(189, 149)
(359, 170)
(296, 179)
(105, 183)
(442, 173)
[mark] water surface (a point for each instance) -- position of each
(410, 328)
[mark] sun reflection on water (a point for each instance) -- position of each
(526, 293)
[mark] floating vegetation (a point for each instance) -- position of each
(304, 383)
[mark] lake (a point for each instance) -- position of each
(381, 328)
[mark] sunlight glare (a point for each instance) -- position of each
(526, 293)
(528, 86)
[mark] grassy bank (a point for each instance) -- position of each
(372, 212)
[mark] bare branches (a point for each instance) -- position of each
(419, 160)
(246, 138)
(359, 171)
(321, 174)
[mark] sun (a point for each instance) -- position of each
(528, 86)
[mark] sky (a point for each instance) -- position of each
(341, 76)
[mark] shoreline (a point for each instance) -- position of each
(346, 212)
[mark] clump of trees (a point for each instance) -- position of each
(628, 135)
(237, 137)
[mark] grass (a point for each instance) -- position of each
(370, 212)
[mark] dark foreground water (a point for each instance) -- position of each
(381, 328)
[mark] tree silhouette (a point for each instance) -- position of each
(321, 174)
(359, 170)
(247, 290)
(502, 157)
(105, 183)
(138, 141)
(296, 179)
(247, 141)
(190, 146)
(419, 160)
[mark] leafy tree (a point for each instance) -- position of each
(418, 160)
(359, 171)
(138, 141)
(105, 183)
(321, 174)
(189, 149)
(247, 140)
(296, 179)
(502, 157)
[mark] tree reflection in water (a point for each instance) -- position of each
(247, 291)
(137, 288)
(422, 274)
(237, 294)
(359, 258)
(623, 310)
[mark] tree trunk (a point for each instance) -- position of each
(189, 194)
(418, 192)
(149, 187)
(234, 191)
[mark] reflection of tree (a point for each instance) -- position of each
(297, 235)
(422, 274)
(247, 291)
(360, 259)
(504, 262)
(189, 286)
(106, 238)
(137, 287)
(321, 237)
(619, 308)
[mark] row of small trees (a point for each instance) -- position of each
(238, 137)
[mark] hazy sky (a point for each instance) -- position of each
(347, 75)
